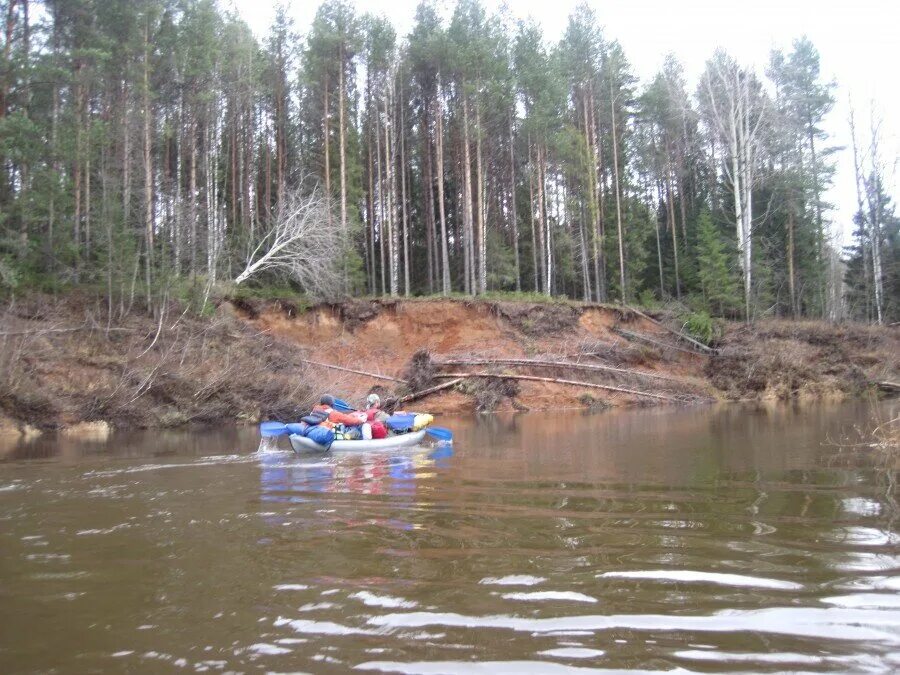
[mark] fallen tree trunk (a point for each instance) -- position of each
(351, 370)
(415, 396)
(41, 331)
(656, 343)
(574, 383)
(537, 363)
(702, 347)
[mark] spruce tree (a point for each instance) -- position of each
(718, 286)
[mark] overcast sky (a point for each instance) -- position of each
(857, 41)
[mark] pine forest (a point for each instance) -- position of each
(150, 148)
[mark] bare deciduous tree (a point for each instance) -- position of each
(300, 244)
(869, 193)
(735, 107)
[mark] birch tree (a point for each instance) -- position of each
(871, 203)
(735, 110)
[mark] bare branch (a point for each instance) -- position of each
(300, 244)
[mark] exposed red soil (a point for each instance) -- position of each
(451, 329)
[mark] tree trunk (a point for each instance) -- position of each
(428, 198)
(599, 230)
(820, 233)
(380, 209)
(326, 130)
(585, 268)
(7, 64)
(179, 181)
(612, 109)
(249, 214)
(126, 161)
(744, 141)
(512, 199)
(468, 225)
(192, 189)
(345, 235)
(591, 189)
(25, 175)
(87, 207)
(534, 237)
(77, 175)
(867, 225)
(874, 200)
(671, 211)
(371, 209)
(389, 158)
(479, 184)
(148, 167)
(104, 210)
(543, 225)
(790, 261)
(280, 123)
(445, 255)
(233, 158)
(554, 380)
(403, 194)
(54, 157)
(662, 287)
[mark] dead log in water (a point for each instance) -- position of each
(656, 343)
(699, 345)
(416, 395)
(573, 383)
(539, 363)
(351, 370)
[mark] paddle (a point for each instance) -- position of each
(402, 422)
(440, 433)
(343, 406)
(268, 429)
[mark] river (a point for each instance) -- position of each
(734, 538)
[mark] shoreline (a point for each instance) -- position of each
(67, 368)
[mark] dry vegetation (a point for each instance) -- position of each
(783, 359)
(874, 444)
(60, 364)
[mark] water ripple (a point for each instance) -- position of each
(690, 576)
(836, 624)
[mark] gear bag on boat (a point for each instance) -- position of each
(321, 435)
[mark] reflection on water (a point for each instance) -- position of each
(694, 539)
(285, 477)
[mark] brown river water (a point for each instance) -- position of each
(691, 539)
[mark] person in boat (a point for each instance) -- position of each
(375, 427)
(325, 409)
(345, 426)
(374, 413)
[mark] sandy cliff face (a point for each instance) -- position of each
(770, 360)
(385, 342)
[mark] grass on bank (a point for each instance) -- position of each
(198, 297)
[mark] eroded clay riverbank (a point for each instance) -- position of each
(64, 364)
